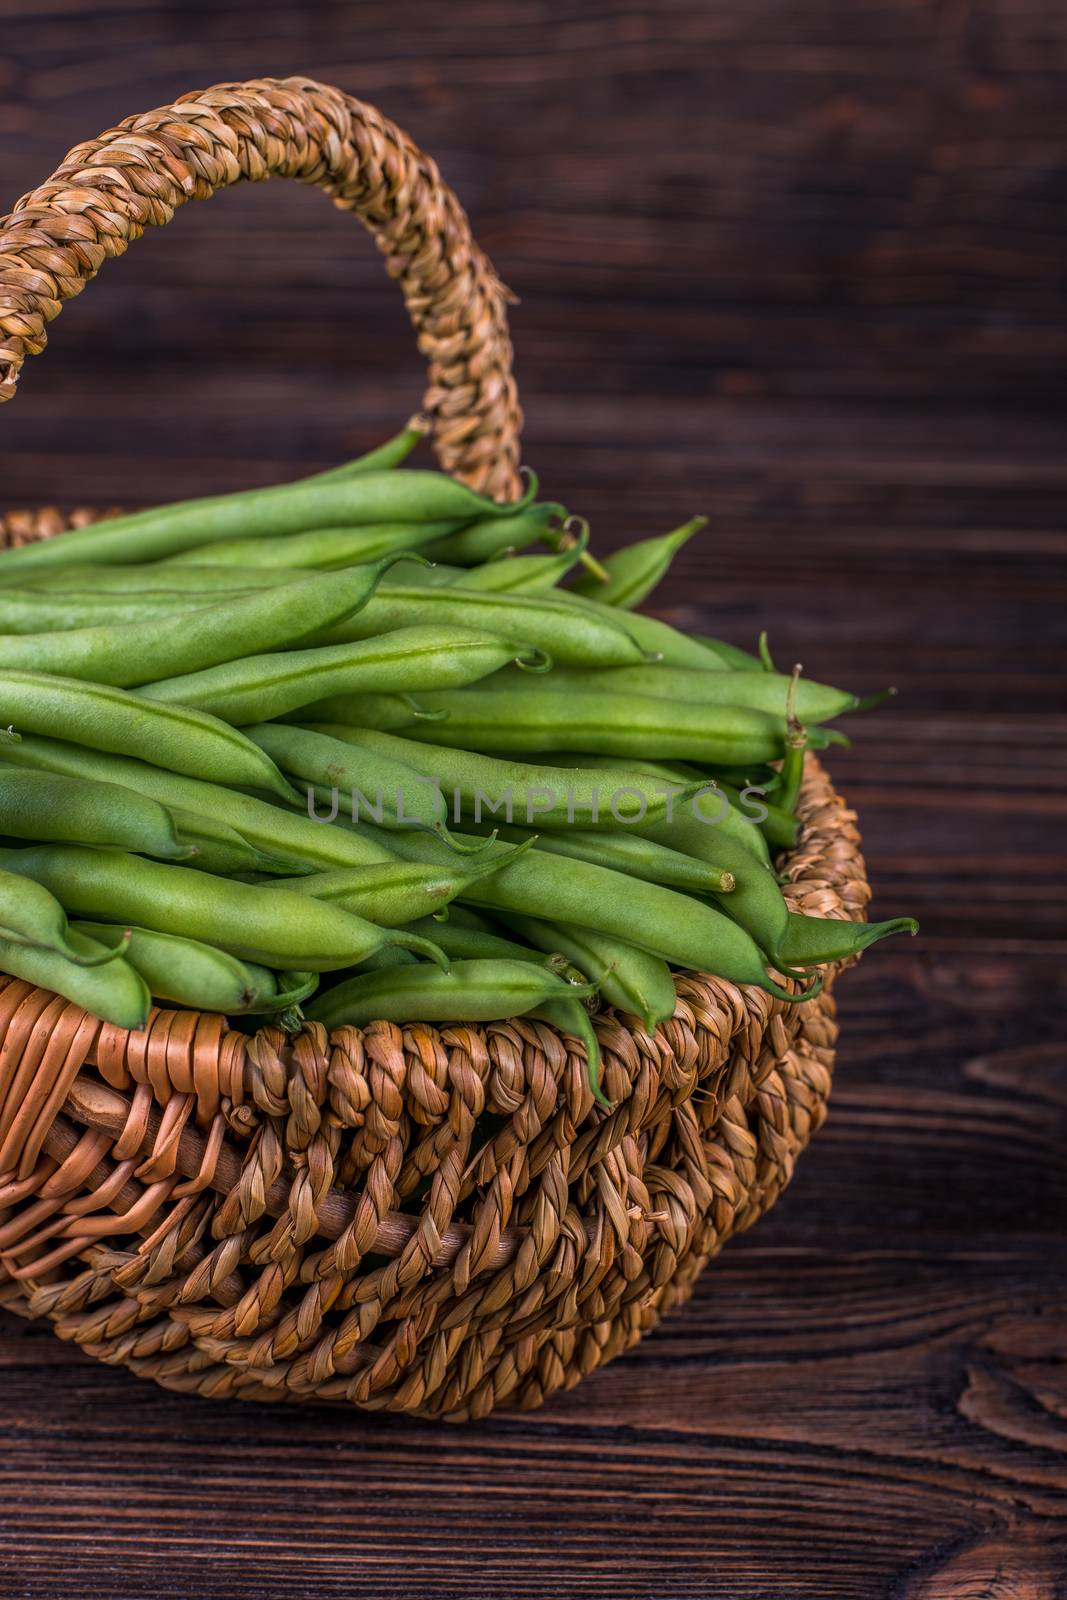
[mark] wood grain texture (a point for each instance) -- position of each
(799, 265)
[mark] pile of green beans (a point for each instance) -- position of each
(350, 750)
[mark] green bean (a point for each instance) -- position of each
(755, 903)
(778, 827)
(634, 571)
(220, 849)
(629, 979)
(387, 958)
(188, 972)
(161, 647)
(468, 917)
(96, 810)
(460, 942)
(277, 833)
(32, 916)
(491, 536)
(318, 548)
(734, 823)
(658, 640)
(568, 1015)
(396, 892)
(259, 688)
(177, 738)
(420, 576)
(29, 611)
(760, 691)
(161, 579)
(471, 991)
(376, 712)
(797, 739)
(369, 497)
(625, 852)
(546, 622)
(104, 984)
(753, 775)
(812, 941)
(49, 808)
(393, 453)
(293, 989)
(766, 660)
(542, 718)
(519, 574)
(271, 926)
(792, 771)
(389, 792)
(683, 931)
(550, 797)
(729, 654)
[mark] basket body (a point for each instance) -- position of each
(434, 1221)
(427, 1220)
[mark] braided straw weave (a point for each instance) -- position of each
(427, 1220)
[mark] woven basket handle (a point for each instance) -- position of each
(134, 176)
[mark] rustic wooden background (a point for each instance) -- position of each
(799, 264)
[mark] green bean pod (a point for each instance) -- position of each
(188, 972)
(264, 924)
(259, 688)
(471, 991)
(177, 738)
(657, 640)
(778, 827)
(756, 902)
(375, 712)
(541, 796)
(396, 892)
(813, 941)
(519, 574)
(543, 718)
(388, 792)
(461, 942)
(630, 979)
(490, 537)
(30, 612)
(224, 850)
(393, 453)
(368, 497)
(318, 549)
(736, 822)
(159, 580)
(274, 832)
(416, 574)
(31, 916)
(186, 641)
(681, 930)
(546, 622)
(104, 984)
(635, 570)
(47, 808)
(760, 691)
(729, 655)
(382, 959)
(624, 852)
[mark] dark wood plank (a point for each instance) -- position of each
(798, 265)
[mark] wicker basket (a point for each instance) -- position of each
(422, 1220)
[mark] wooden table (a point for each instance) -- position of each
(801, 268)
